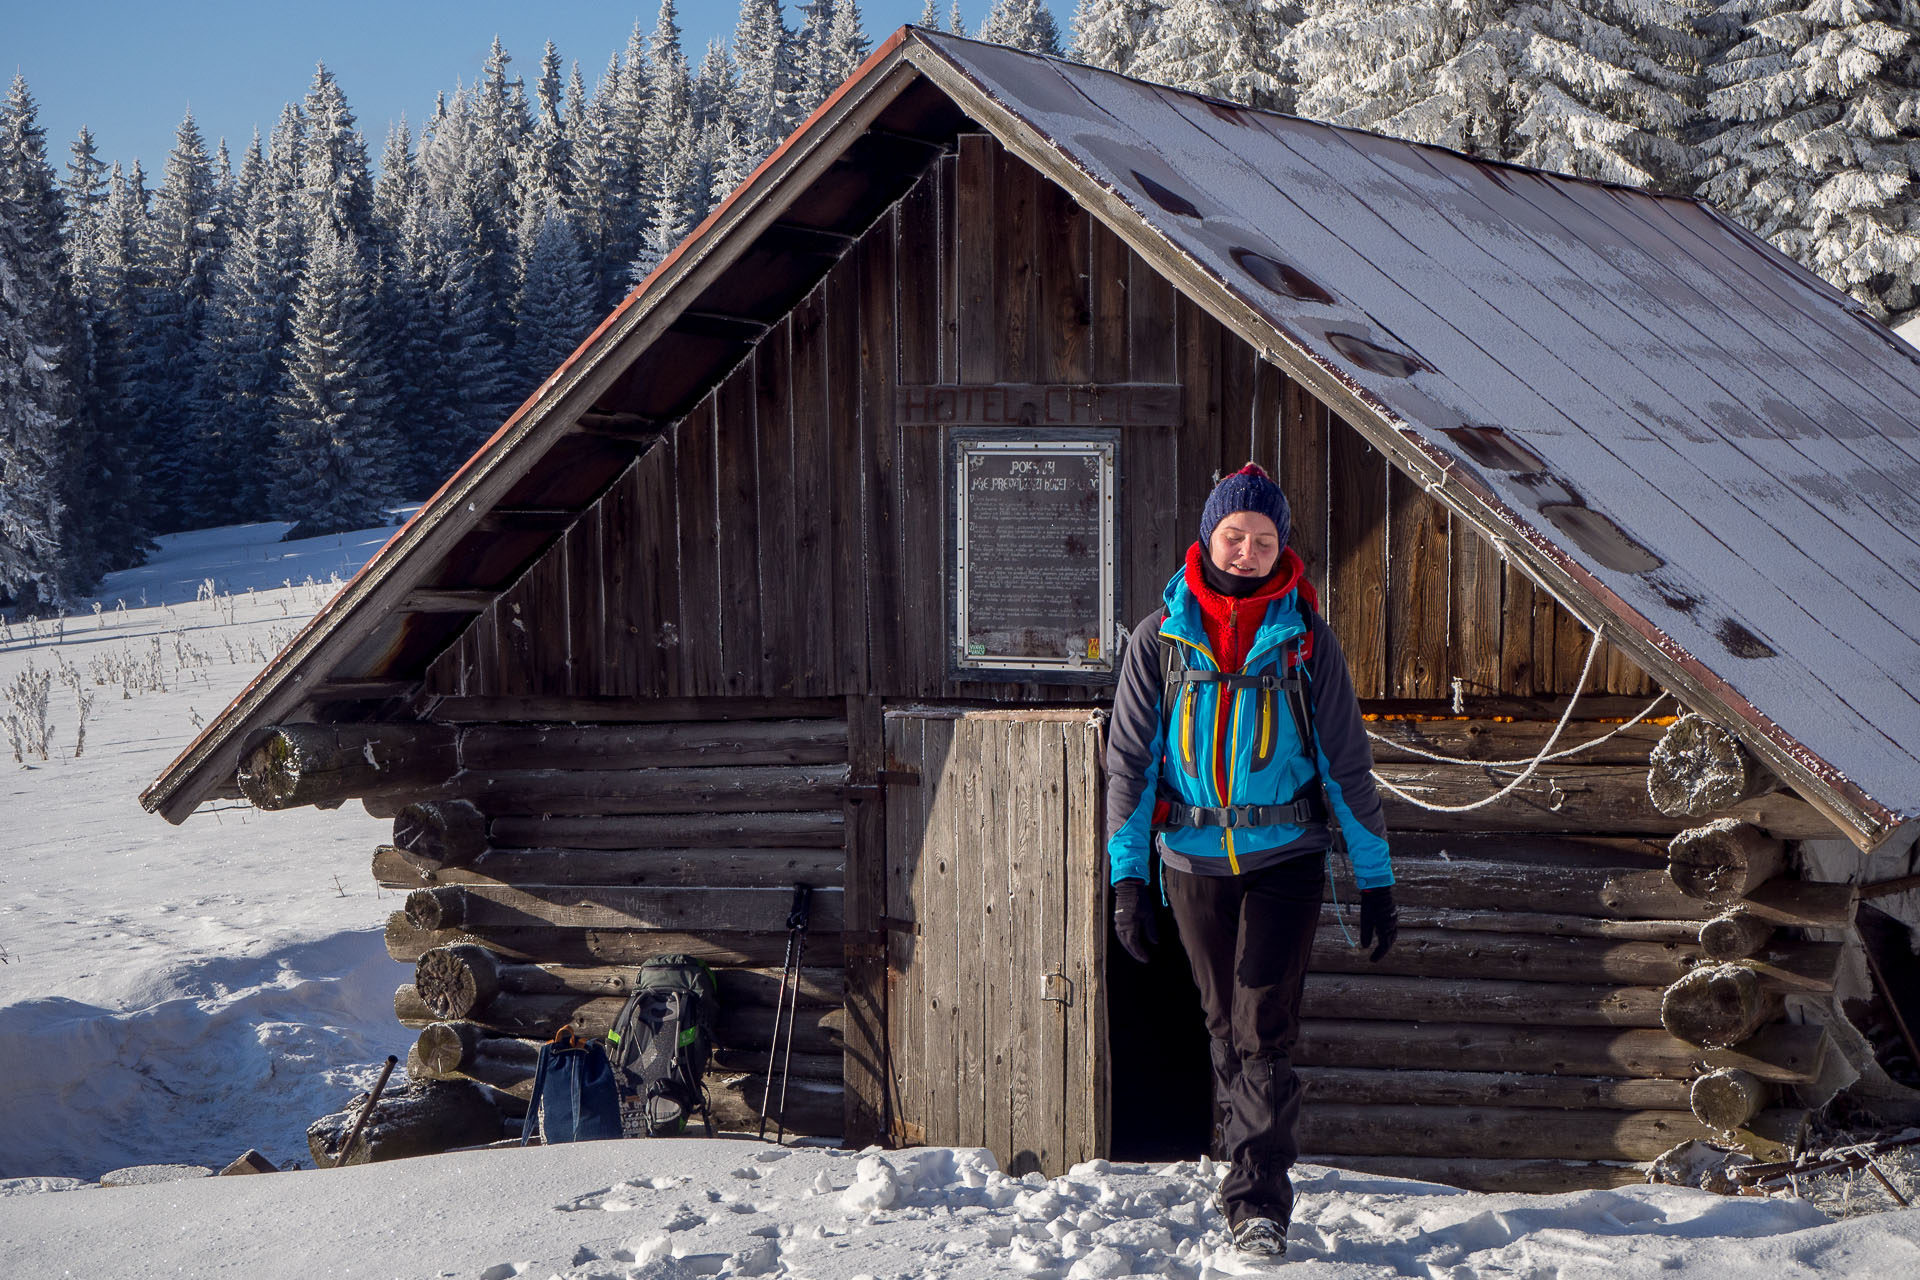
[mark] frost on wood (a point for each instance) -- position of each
(1717, 1006)
(424, 1117)
(1724, 861)
(1699, 768)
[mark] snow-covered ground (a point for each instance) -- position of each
(175, 994)
(172, 993)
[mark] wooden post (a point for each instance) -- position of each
(866, 1068)
(1699, 768)
(1734, 935)
(1718, 1006)
(1728, 1098)
(440, 833)
(322, 764)
(1724, 861)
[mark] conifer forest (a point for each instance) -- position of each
(296, 327)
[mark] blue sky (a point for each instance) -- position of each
(129, 71)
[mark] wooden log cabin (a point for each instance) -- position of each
(717, 611)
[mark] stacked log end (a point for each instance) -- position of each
(320, 764)
(434, 834)
(1724, 861)
(1718, 1006)
(1728, 1099)
(1699, 768)
(1734, 935)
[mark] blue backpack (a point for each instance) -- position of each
(574, 1095)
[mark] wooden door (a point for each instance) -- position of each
(996, 1017)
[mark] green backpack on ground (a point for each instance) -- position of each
(661, 1043)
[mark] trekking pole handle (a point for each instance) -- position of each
(802, 907)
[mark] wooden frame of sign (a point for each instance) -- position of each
(1034, 553)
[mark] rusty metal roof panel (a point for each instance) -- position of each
(1720, 439)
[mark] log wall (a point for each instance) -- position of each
(563, 855)
(1522, 1032)
(789, 537)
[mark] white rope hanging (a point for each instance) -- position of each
(1546, 752)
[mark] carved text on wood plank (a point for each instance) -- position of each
(1121, 404)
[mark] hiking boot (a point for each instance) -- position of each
(1260, 1238)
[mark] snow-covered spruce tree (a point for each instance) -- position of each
(170, 300)
(1366, 62)
(38, 329)
(929, 16)
(595, 174)
(1606, 88)
(1439, 71)
(666, 129)
(1234, 51)
(336, 180)
(1029, 25)
(244, 348)
(84, 199)
(1814, 135)
(336, 463)
(847, 43)
(763, 50)
(1109, 33)
(716, 125)
(460, 388)
(542, 167)
(102, 501)
(555, 308)
(117, 492)
(812, 44)
(954, 22)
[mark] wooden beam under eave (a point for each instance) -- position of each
(438, 600)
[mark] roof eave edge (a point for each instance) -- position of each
(451, 511)
(1866, 822)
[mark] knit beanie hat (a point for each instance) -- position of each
(1248, 489)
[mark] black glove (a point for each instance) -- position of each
(1379, 917)
(1133, 919)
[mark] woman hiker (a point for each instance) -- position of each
(1207, 764)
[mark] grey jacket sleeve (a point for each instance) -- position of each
(1133, 754)
(1346, 759)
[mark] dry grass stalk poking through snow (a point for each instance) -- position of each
(28, 714)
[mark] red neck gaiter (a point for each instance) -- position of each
(1231, 622)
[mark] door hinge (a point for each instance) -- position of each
(1057, 987)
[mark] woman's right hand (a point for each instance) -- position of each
(1133, 919)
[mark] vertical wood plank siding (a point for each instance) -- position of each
(995, 1001)
(790, 536)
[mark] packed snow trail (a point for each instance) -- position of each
(668, 1209)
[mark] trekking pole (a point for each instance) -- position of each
(366, 1111)
(797, 927)
(779, 1002)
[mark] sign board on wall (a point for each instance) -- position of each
(1034, 552)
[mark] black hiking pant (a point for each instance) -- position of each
(1249, 938)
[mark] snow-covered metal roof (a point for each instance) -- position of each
(1707, 441)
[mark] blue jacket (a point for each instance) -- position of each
(1150, 754)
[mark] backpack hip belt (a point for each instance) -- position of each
(1304, 809)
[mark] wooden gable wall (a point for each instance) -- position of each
(789, 537)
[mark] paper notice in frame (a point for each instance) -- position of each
(1034, 552)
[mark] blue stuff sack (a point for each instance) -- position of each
(574, 1095)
